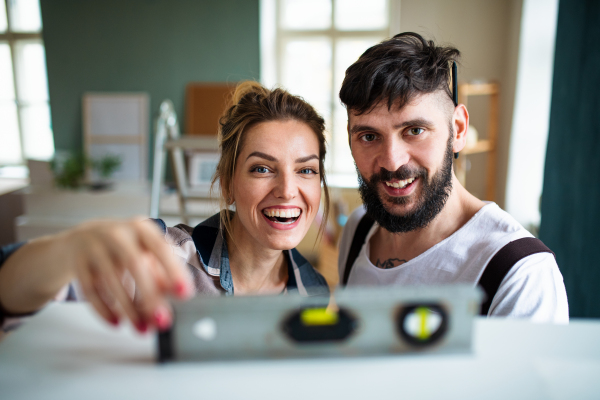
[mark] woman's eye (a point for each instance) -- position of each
(260, 170)
(308, 171)
(368, 137)
(415, 131)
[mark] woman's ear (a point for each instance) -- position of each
(230, 198)
(226, 193)
(460, 121)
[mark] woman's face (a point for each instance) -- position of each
(276, 185)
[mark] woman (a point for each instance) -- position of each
(271, 171)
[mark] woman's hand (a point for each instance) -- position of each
(106, 257)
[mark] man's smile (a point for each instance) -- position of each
(400, 184)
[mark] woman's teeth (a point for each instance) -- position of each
(282, 213)
(283, 216)
(400, 184)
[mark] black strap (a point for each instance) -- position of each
(363, 228)
(503, 261)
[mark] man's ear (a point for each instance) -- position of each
(460, 121)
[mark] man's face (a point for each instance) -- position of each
(404, 160)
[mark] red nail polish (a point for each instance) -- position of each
(181, 289)
(114, 320)
(162, 318)
(142, 326)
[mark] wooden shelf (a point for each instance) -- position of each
(478, 89)
(488, 146)
(482, 146)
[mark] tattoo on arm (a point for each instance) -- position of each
(389, 263)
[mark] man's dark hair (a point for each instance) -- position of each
(396, 70)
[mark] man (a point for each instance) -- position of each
(419, 225)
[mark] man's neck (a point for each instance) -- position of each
(389, 249)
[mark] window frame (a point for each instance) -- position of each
(13, 38)
(273, 39)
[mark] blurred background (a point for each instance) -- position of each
(85, 131)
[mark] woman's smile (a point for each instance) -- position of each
(282, 217)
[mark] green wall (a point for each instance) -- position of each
(571, 200)
(154, 46)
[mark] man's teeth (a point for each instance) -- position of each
(282, 213)
(400, 184)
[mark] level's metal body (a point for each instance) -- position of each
(209, 328)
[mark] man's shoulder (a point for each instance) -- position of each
(492, 224)
(347, 235)
(354, 218)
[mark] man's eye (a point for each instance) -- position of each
(415, 131)
(368, 137)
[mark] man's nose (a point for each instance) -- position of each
(286, 187)
(393, 155)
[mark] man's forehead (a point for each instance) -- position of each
(431, 106)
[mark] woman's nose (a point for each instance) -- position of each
(286, 187)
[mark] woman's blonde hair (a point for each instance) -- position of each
(251, 105)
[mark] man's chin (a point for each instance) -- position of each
(398, 210)
(398, 205)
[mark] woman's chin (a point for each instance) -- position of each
(285, 240)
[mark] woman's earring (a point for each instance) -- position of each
(456, 156)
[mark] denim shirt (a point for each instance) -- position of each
(204, 250)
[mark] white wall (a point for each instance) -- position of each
(532, 110)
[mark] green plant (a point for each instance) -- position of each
(69, 171)
(107, 165)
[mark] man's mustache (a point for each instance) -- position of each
(404, 172)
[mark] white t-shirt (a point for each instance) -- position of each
(533, 288)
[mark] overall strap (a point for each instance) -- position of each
(363, 228)
(503, 261)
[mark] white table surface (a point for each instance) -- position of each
(66, 352)
(9, 185)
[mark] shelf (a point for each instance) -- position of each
(477, 89)
(194, 142)
(481, 146)
(488, 146)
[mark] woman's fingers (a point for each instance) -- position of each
(114, 253)
(90, 290)
(104, 268)
(179, 280)
(148, 296)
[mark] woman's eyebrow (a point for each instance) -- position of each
(307, 158)
(261, 155)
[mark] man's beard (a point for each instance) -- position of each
(433, 197)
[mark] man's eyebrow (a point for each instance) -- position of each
(361, 128)
(307, 158)
(413, 122)
(416, 122)
(261, 155)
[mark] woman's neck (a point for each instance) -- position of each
(254, 268)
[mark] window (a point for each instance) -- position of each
(25, 131)
(307, 45)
